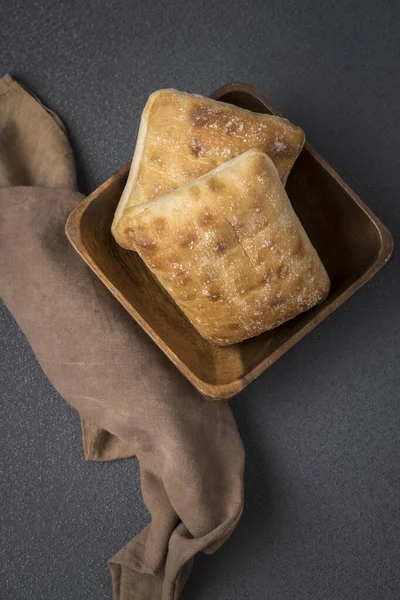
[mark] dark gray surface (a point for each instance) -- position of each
(322, 426)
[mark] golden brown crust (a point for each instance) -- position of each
(230, 250)
(183, 136)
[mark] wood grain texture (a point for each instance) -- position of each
(351, 241)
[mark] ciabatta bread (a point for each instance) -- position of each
(230, 250)
(183, 136)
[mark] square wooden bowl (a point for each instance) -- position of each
(351, 241)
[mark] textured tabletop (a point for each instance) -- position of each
(321, 428)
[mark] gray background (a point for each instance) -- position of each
(322, 426)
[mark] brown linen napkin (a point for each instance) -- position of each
(190, 453)
(34, 151)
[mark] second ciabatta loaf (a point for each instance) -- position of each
(230, 250)
(183, 136)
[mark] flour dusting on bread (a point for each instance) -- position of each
(183, 136)
(230, 250)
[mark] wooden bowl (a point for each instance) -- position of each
(351, 241)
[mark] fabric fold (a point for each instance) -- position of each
(34, 150)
